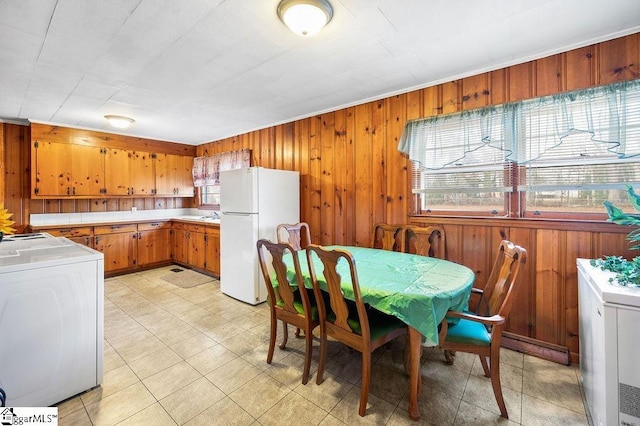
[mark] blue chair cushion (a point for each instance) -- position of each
(468, 332)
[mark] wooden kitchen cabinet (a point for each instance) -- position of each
(197, 246)
(180, 242)
(129, 172)
(83, 235)
(212, 257)
(173, 175)
(189, 244)
(153, 243)
(117, 172)
(66, 170)
(143, 181)
(119, 245)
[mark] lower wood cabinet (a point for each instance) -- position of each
(153, 243)
(212, 248)
(129, 246)
(189, 244)
(82, 235)
(119, 245)
(197, 246)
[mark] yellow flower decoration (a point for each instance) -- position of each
(5, 223)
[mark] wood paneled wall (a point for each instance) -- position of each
(352, 176)
(15, 165)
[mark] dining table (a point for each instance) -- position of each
(419, 290)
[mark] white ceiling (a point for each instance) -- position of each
(200, 70)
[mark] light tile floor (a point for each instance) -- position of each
(197, 357)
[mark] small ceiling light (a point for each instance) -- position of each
(305, 17)
(119, 121)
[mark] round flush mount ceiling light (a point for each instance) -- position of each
(119, 121)
(305, 17)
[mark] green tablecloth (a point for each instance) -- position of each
(416, 289)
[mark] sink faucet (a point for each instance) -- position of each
(214, 214)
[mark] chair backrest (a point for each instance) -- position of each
(500, 289)
(388, 237)
(428, 241)
(338, 304)
(286, 288)
(296, 234)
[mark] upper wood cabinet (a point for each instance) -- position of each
(173, 175)
(129, 172)
(61, 170)
(117, 172)
(66, 170)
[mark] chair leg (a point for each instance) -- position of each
(449, 356)
(272, 337)
(323, 356)
(495, 380)
(485, 366)
(366, 382)
(307, 356)
(285, 335)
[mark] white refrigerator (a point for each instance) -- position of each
(253, 202)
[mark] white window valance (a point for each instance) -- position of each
(206, 170)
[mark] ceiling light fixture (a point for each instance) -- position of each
(305, 17)
(119, 121)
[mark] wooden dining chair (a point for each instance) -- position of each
(296, 234)
(481, 332)
(426, 241)
(350, 322)
(388, 237)
(291, 305)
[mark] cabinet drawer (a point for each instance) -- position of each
(68, 232)
(213, 230)
(115, 229)
(196, 228)
(150, 226)
(180, 226)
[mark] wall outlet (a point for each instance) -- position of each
(134, 209)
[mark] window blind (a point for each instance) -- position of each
(580, 140)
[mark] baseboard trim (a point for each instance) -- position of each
(537, 348)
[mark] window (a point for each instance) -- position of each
(206, 174)
(563, 153)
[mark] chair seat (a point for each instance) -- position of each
(380, 323)
(297, 303)
(468, 332)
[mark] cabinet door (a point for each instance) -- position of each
(180, 245)
(173, 175)
(213, 251)
(165, 174)
(197, 250)
(87, 170)
(142, 174)
(85, 241)
(52, 169)
(119, 250)
(153, 246)
(117, 172)
(184, 176)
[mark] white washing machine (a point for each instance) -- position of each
(51, 319)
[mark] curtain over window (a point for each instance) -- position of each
(574, 141)
(206, 170)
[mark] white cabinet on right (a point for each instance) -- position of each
(609, 347)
